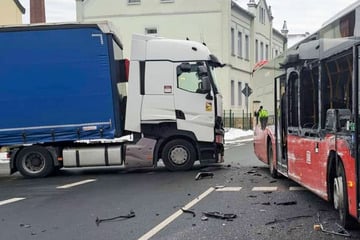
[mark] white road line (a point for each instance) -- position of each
(171, 218)
(11, 200)
(297, 189)
(264, 189)
(229, 189)
(76, 184)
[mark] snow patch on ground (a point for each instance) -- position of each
(233, 134)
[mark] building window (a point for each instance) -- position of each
(267, 52)
(276, 53)
(134, 1)
(262, 15)
(232, 42)
(239, 94)
(151, 31)
(261, 51)
(232, 94)
(247, 47)
(240, 45)
(256, 50)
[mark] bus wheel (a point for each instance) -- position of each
(273, 171)
(178, 155)
(34, 161)
(340, 198)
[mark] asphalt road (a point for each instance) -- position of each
(265, 208)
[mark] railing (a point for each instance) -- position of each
(235, 119)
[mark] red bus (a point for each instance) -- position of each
(313, 135)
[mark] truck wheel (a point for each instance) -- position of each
(178, 155)
(34, 161)
(273, 171)
(340, 198)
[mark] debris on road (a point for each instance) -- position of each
(188, 211)
(25, 225)
(287, 219)
(202, 175)
(130, 215)
(340, 230)
(286, 203)
(219, 215)
(204, 218)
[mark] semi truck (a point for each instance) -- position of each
(69, 96)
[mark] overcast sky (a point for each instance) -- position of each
(301, 15)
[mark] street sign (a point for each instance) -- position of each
(247, 91)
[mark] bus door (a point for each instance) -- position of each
(281, 124)
(357, 121)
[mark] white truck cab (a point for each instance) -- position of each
(174, 85)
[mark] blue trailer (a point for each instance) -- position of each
(58, 83)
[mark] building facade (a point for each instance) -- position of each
(11, 12)
(238, 37)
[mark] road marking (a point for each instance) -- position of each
(11, 200)
(297, 189)
(228, 189)
(264, 189)
(76, 184)
(171, 218)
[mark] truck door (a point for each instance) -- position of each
(194, 100)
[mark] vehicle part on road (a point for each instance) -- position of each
(340, 232)
(202, 175)
(219, 215)
(188, 211)
(130, 215)
(287, 219)
(286, 203)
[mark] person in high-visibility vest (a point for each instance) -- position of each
(263, 115)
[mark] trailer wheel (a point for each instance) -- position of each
(273, 171)
(178, 155)
(341, 199)
(34, 161)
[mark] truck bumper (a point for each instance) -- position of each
(213, 152)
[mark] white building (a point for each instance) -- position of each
(238, 37)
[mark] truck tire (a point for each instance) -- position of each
(178, 155)
(34, 162)
(340, 198)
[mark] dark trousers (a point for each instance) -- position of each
(263, 122)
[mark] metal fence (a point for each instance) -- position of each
(241, 120)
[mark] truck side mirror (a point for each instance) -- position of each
(205, 82)
(204, 85)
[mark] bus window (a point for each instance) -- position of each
(309, 93)
(337, 83)
(293, 100)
